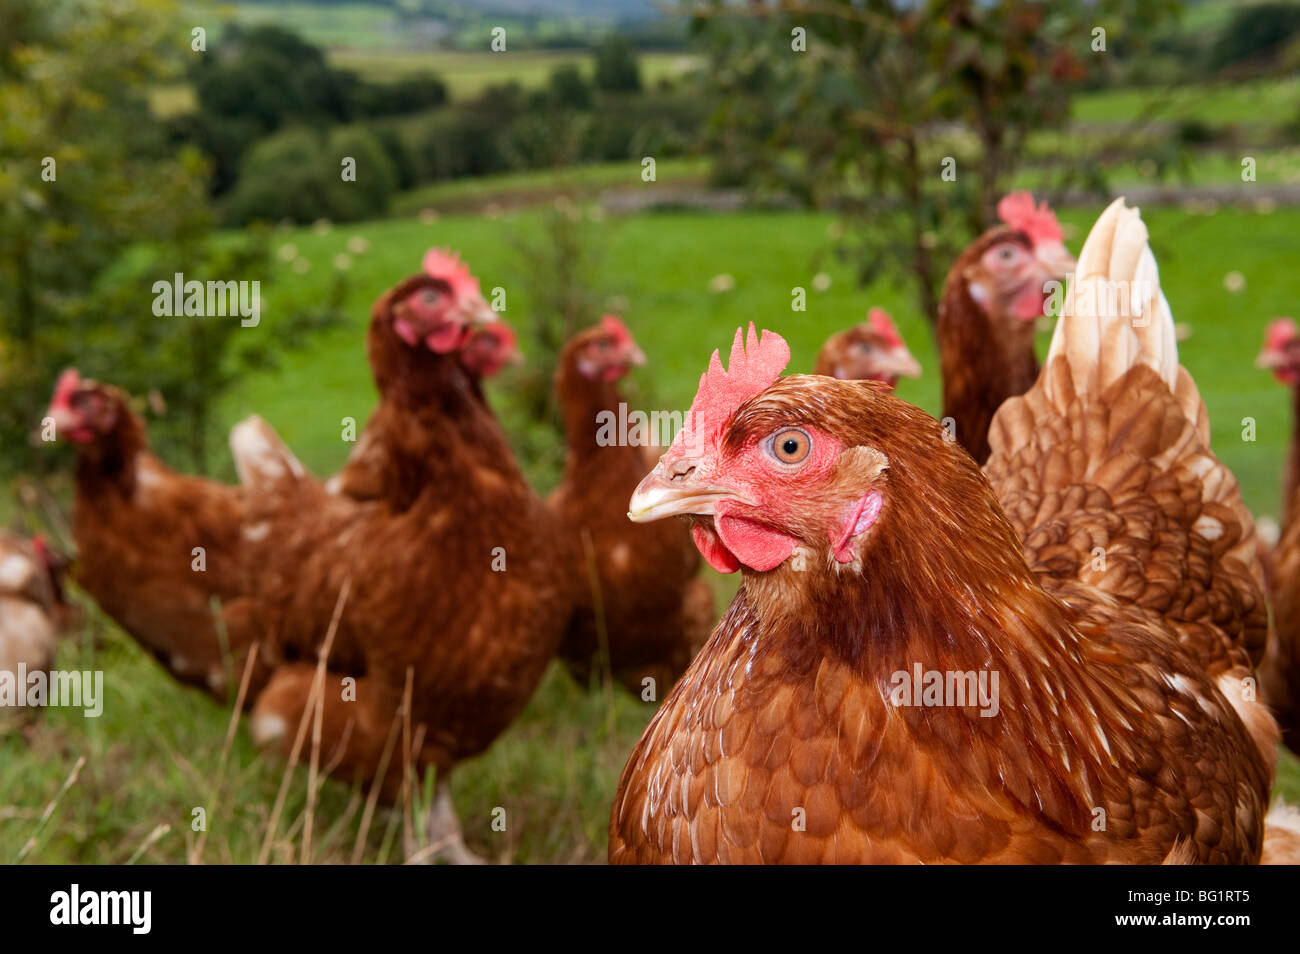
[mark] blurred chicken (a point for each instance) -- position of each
(639, 590)
(870, 351)
(1103, 573)
(157, 550)
(1280, 672)
(460, 587)
(32, 608)
(439, 307)
(992, 298)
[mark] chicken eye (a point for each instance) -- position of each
(791, 445)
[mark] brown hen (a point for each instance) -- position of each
(992, 298)
(160, 552)
(462, 590)
(925, 664)
(639, 599)
(872, 350)
(439, 311)
(1280, 672)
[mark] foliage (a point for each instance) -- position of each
(74, 76)
(617, 69)
(884, 94)
(258, 80)
(568, 88)
(297, 175)
(1256, 32)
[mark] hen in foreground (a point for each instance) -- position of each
(923, 664)
(638, 595)
(870, 351)
(992, 298)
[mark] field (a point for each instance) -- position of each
(154, 756)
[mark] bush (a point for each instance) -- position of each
(297, 175)
(617, 69)
(399, 155)
(568, 89)
(1255, 33)
(412, 94)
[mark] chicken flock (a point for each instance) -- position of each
(1036, 630)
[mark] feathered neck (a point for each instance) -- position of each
(109, 460)
(981, 365)
(1291, 477)
(943, 575)
(582, 400)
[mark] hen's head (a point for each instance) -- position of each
(436, 307)
(838, 499)
(604, 352)
(870, 351)
(1281, 353)
(84, 410)
(487, 348)
(1005, 269)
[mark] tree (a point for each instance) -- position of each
(95, 207)
(912, 117)
(617, 69)
(568, 89)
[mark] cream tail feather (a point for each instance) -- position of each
(1116, 315)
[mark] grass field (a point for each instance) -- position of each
(154, 755)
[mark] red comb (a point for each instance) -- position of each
(883, 325)
(1280, 332)
(1038, 222)
(445, 265)
(613, 326)
(753, 367)
(504, 334)
(68, 382)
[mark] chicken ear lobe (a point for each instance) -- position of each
(858, 465)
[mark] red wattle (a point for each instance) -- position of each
(444, 339)
(755, 545)
(711, 548)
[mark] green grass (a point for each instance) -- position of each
(153, 757)
(1259, 101)
(520, 187)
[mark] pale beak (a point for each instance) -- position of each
(1055, 259)
(64, 419)
(669, 490)
(635, 357)
(899, 363)
(478, 312)
(1270, 360)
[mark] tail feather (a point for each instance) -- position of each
(1281, 835)
(262, 459)
(1116, 315)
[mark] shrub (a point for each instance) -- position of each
(617, 68)
(297, 175)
